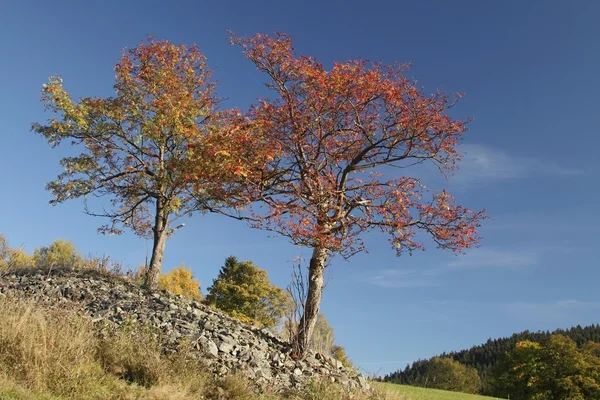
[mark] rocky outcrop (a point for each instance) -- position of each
(222, 343)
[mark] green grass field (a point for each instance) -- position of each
(402, 392)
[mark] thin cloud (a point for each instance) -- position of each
(479, 258)
(567, 220)
(483, 164)
(553, 306)
(556, 312)
(391, 278)
(487, 258)
(474, 259)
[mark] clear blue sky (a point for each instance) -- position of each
(531, 74)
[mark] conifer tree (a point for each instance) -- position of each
(244, 291)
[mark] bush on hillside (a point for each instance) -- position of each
(13, 258)
(60, 254)
(181, 281)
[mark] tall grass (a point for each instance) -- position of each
(55, 354)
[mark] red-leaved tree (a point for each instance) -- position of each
(159, 149)
(336, 134)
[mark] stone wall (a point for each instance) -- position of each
(221, 342)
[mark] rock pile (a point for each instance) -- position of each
(223, 343)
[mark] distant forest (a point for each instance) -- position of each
(484, 357)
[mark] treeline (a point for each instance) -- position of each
(485, 358)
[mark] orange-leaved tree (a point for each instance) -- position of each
(336, 133)
(137, 147)
(181, 281)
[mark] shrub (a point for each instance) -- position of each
(60, 254)
(13, 258)
(180, 281)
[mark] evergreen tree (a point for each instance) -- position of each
(244, 291)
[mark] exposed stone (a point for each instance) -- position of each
(225, 347)
(221, 342)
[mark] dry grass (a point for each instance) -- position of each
(54, 354)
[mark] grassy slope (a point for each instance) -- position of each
(55, 354)
(403, 392)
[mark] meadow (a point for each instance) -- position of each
(393, 391)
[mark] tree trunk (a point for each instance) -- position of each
(313, 301)
(160, 233)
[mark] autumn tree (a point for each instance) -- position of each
(181, 281)
(554, 369)
(342, 138)
(339, 353)
(447, 374)
(244, 291)
(137, 147)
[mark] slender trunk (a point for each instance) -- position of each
(313, 301)
(160, 233)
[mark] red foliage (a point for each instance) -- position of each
(333, 134)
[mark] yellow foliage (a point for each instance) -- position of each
(180, 281)
(60, 254)
(339, 353)
(13, 258)
(18, 259)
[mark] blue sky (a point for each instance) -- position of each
(530, 72)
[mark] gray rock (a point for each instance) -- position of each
(223, 343)
(226, 347)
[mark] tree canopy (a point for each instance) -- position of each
(137, 148)
(337, 133)
(554, 369)
(244, 291)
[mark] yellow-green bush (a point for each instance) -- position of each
(60, 254)
(339, 353)
(11, 259)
